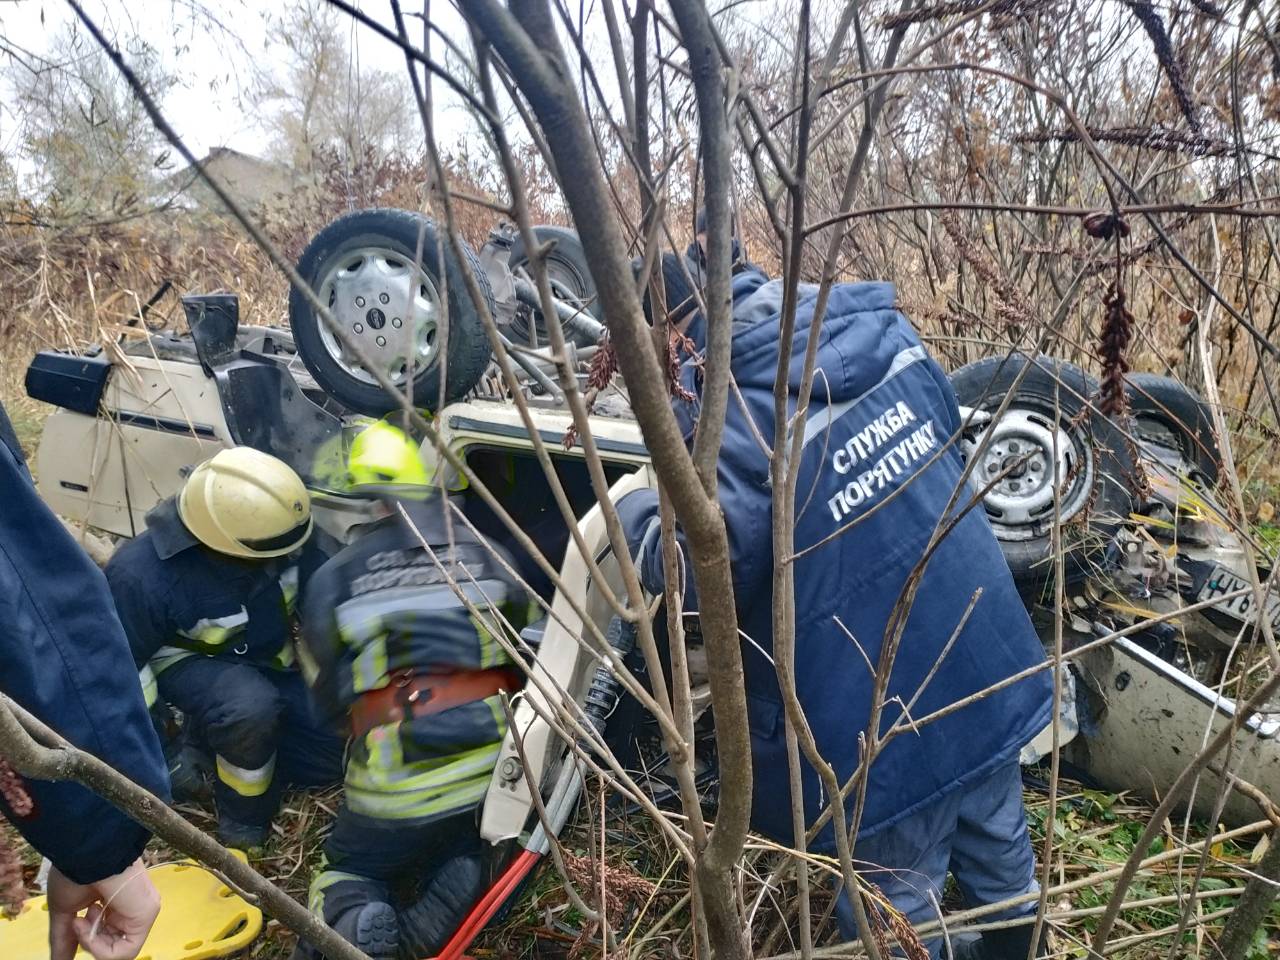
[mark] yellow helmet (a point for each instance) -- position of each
(384, 460)
(246, 503)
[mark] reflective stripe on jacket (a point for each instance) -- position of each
(455, 753)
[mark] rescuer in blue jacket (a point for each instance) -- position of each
(878, 469)
(206, 595)
(66, 660)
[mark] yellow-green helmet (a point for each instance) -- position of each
(384, 460)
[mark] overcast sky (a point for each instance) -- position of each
(212, 51)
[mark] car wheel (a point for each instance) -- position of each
(570, 281)
(1049, 444)
(1171, 415)
(362, 267)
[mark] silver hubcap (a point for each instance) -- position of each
(388, 307)
(1020, 450)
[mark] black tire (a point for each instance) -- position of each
(570, 275)
(391, 235)
(1168, 413)
(1047, 413)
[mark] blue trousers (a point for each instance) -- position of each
(258, 720)
(978, 834)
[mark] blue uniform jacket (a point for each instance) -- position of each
(66, 660)
(868, 499)
(175, 594)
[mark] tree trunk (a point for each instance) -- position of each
(1254, 905)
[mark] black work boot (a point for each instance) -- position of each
(248, 837)
(432, 919)
(964, 946)
(378, 930)
(1008, 943)
(189, 776)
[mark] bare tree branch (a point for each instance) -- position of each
(52, 758)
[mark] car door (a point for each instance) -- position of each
(563, 669)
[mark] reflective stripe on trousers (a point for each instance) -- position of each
(150, 692)
(247, 783)
(324, 879)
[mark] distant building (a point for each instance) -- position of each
(249, 179)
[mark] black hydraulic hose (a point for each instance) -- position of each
(602, 696)
(571, 317)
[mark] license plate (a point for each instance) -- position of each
(1222, 581)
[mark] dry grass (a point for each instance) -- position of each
(73, 288)
(646, 886)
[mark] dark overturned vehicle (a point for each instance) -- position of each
(1132, 504)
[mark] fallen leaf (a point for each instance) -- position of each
(1259, 850)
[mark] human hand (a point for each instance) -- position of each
(121, 910)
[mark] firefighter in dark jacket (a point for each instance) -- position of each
(66, 660)
(877, 473)
(417, 673)
(206, 596)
